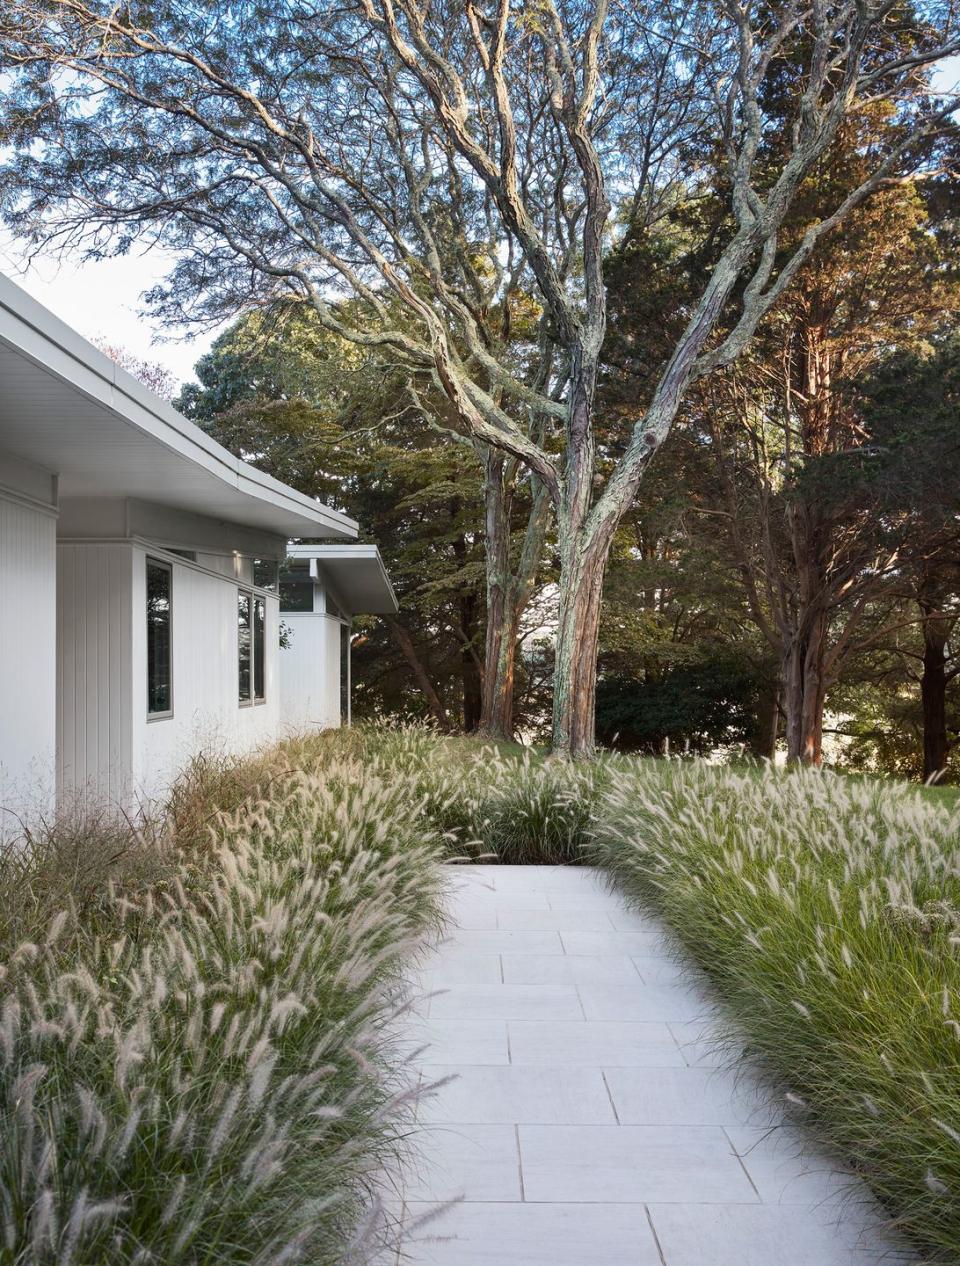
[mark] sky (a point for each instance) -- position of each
(102, 299)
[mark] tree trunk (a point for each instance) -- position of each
(805, 675)
(471, 670)
(471, 682)
(496, 718)
(768, 721)
(933, 683)
(584, 548)
(503, 627)
(405, 642)
(805, 692)
(508, 590)
(578, 633)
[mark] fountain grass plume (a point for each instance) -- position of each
(826, 912)
(210, 1080)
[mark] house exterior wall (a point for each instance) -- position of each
(206, 712)
(27, 647)
(310, 672)
(94, 671)
(107, 745)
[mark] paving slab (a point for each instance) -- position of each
(587, 1111)
(772, 1235)
(631, 1163)
(610, 1046)
(555, 1234)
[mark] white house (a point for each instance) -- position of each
(140, 581)
(320, 586)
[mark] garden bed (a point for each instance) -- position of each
(195, 1052)
(195, 1045)
(827, 915)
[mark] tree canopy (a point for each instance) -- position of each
(421, 173)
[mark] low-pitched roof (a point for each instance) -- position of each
(68, 409)
(357, 573)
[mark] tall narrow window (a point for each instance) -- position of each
(159, 620)
(245, 644)
(345, 674)
(259, 648)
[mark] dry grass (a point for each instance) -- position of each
(827, 913)
(195, 1049)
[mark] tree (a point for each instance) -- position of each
(150, 372)
(816, 569)
(679, 663)
(443, 158)
(909, 475)
(280, 391)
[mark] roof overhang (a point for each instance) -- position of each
(357, 575)
(68, 409)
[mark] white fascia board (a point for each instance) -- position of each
(31, 330)
(357, 573)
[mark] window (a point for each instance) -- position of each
(266, 573)
(345, 674)
(245, 644)
(259, 648)
(296, 586)
(159, 620)
(252, 647)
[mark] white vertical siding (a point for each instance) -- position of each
(27, 658)
(107, 746)
(94, 707)
(206, 711)
(310, 672)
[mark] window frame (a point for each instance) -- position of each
(245, 595)
(163, 565)
(258, 666)
(252, 598)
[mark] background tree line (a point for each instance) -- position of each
(806, 505)
(579, 308)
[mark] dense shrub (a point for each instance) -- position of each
(713, 702)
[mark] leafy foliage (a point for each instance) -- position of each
(700, 706)
(337, 424)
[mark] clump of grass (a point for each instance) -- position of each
(827, 913)
(509, 805)
(539, 812)
(202, 1075)
(70, 865)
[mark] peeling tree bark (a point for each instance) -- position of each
(509, 588)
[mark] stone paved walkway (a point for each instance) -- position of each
(590, 1120)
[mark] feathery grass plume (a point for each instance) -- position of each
(202, 1050)
(850, 887)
